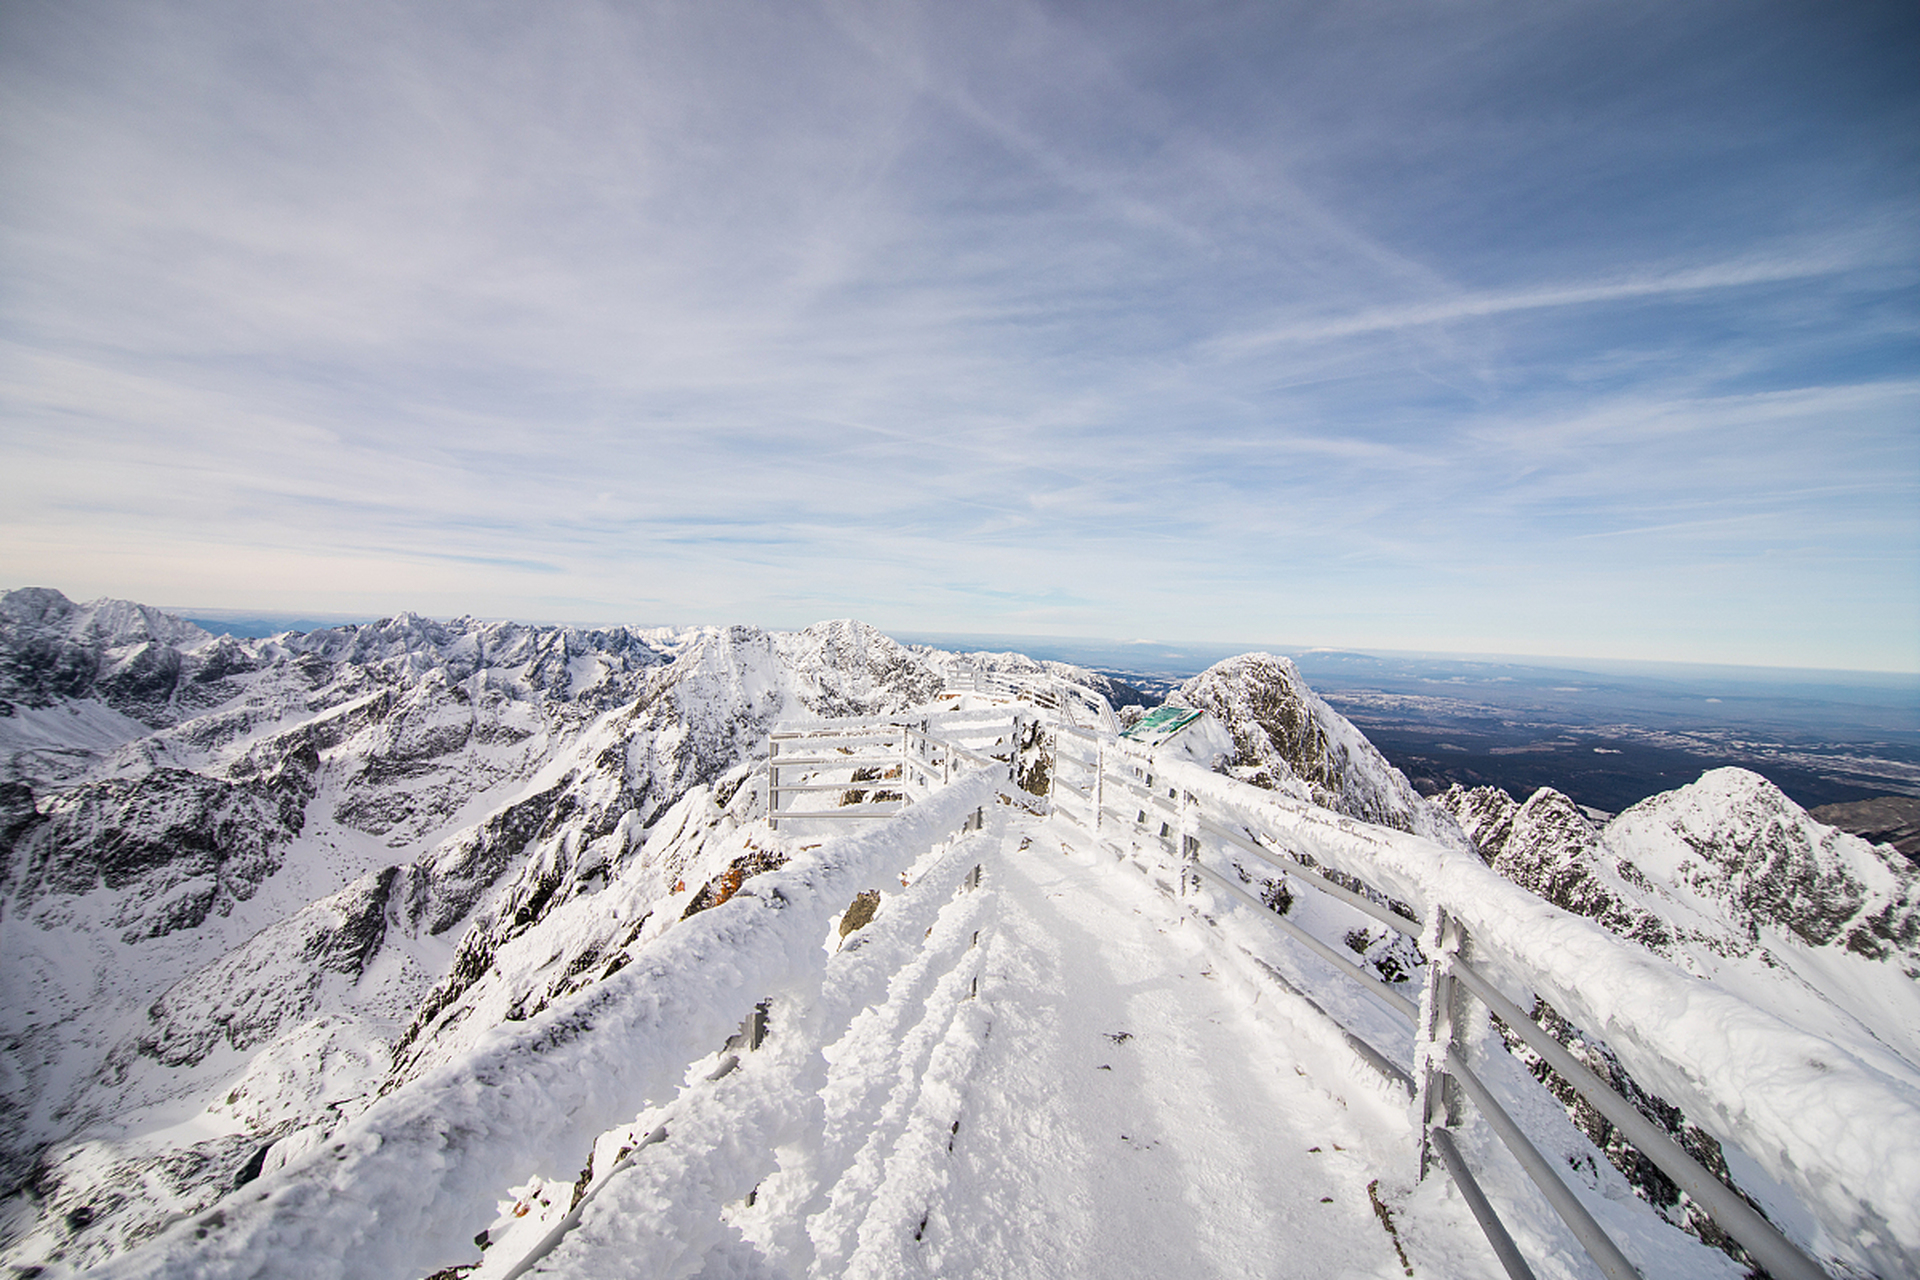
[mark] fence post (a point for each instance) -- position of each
(1443, 1025)
(1189, 845)
(1099, 785)
(773, 784)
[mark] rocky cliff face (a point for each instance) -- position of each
(1547, 845)
(128, 655)
(1288, 739)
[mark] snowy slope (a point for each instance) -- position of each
(296, 877)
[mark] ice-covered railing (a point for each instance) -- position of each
(1831, 1130)
(1078, 706)
(398, 1190)
(875, 766)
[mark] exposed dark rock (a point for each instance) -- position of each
(273, 982)
(1766, 863)
(860, 911)
(1548, 846)
(1283, 731)
(728, 882)
(190, 841)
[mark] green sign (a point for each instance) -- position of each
(1161, 723)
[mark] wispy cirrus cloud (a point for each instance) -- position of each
(1487, 304)
(1291, 323)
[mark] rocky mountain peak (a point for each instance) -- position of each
(1740, 849)
(127, 655)
(1287, 738)
(1547, 845)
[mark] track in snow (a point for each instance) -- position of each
(1129, 1115)
(1117, 1100)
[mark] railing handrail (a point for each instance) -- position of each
(902, 744)
(1199, 811)
(1464, 904)
(1043, 689)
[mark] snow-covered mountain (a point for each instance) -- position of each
(249, 887)
(288, 873)
(1733, 881)
(1288, 739)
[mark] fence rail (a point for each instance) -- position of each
(900, 758)
(1113, 791)
(1175, 822)
(1079, 706)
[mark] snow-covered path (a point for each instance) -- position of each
(1122, 1122)
(1055, 1073)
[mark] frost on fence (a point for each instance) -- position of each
(1811, 1114)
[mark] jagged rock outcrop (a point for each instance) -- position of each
(1288, 739)
(1727, 861)
(173, 845)
(1547, 845)
(129, 656)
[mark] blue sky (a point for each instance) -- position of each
(1530, 328)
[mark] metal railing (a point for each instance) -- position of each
(1113, 790)
(1077, 705)
(877, 767)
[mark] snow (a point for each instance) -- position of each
(1061, 1004)
(400, 1188)
(1047, 1075)
(1807, 1111)
(85, 724)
